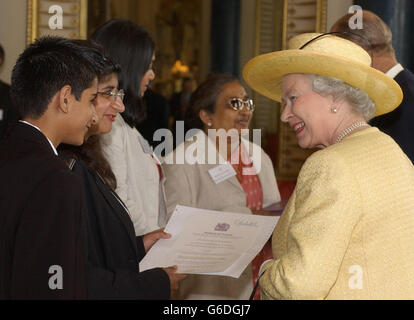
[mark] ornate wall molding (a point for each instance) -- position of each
(268, 38)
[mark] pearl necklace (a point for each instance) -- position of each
(351, 128)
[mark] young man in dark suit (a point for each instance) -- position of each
(376, 38)
(42, 231)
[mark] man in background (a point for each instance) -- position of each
(376, 38)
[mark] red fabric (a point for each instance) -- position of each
(265, 254)
(159, 171)
(248, 179)
(286, 189)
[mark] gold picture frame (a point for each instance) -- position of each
(74, 19)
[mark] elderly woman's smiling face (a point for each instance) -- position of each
(307, 112)
(224, 117)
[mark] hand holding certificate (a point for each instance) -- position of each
(210, 242)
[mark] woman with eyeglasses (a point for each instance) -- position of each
(219, 110)
(136, 168)
(113, 249)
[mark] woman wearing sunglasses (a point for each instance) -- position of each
(113, 249)
(220, 102)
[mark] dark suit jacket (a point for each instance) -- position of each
(41, 222)
(399, 123)
(113, 249)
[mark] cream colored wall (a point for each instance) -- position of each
(335, 10)
(13, 15)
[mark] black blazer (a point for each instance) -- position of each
(41, 222)
(399, 123)
(113, 249)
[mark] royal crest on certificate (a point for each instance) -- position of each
(210, 242)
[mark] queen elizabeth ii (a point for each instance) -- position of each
(348, 229)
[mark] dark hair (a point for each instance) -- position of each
(91, 152)
(205, 98)
(1, 55)
(48, 65)
(108, 66)
(132, 47)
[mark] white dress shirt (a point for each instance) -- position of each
(392, 73)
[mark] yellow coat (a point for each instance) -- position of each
(348, 229)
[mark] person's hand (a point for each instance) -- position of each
(175, 278)
(150, 238)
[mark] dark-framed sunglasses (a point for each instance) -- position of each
(237, 104)
(113, 94)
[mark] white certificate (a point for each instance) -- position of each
(210, 242)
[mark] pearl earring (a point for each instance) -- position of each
(209, 124)
(334, 110)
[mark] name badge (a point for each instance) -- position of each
(222, 172)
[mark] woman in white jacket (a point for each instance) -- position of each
(220, 103)
(138, 172)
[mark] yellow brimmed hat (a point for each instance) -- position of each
(329, 56)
